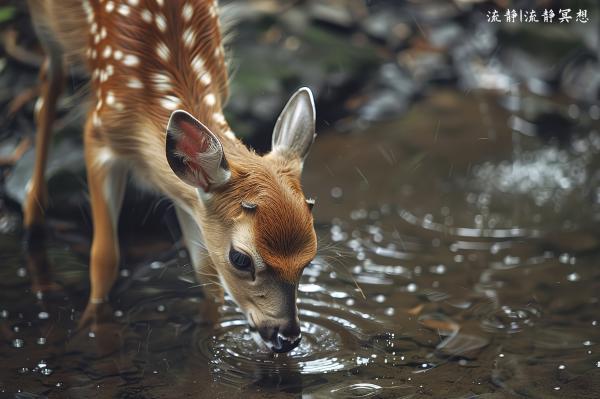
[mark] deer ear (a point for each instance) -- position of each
(295, 128)
(194, 153)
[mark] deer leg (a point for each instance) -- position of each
(106, 178)
(51, 77)
(205, 270)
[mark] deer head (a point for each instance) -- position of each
(256, 222)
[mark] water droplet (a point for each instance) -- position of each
(41, 341)
(412, 287)
(587, 343)
(390, 311)
(42, 364)
(156, 265)
(59, 384)
(18, 343)
(160, 308)
(573, 277)
(23, 370)
(46, 371)
(557, 388)
(501, 355)
(124, 272)
(380, 298)
(562, 367)
(91, 334)
(350, 302)
(597, 364)
(337, 192)
(4, 314)
(118, 313)
(43, 315)
(21, 272)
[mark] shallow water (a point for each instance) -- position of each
(458, 259)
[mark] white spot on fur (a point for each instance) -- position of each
(119, 106)
(94, 54)
(99, 104)
(212, 10)
(110, 70)
(135, 83)
(160, 3)
(170, 102)
(131, 60)
(38, 105)
(123, 10)
(162, 82)
(161, 22)
(188, 37)
(110, 98)
(103, 33)
(133, 2)
(162, 50)
(96, 121)
(110, 6)
(210, 99)
(94, 28)
(230, 134)
(89, 11)
(118, 55)
(107, 52)
(205, 78)
(198, 64)
(187, 12)
(146, 16)
(219, 118)
(96, 38)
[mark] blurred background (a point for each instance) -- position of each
(456, 178)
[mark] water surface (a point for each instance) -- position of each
(458, 258)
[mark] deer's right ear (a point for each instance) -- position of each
(194, 153)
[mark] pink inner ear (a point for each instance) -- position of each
(191, 143)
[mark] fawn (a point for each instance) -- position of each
(158, 83)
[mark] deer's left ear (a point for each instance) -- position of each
(295, 128)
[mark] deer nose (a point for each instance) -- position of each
(281, 340)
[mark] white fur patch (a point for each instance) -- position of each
(170, 102)
(210, 99)
(163, 51)
(187, 12)
(189, 35)
(146, 16)
(135, 83)
(161, 82)
(131, 60)
(123, 10)
(161, 22)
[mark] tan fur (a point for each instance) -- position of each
(127, 121)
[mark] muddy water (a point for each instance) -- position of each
(458, 259)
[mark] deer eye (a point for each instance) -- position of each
(240, 260)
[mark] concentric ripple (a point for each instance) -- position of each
(331, 337)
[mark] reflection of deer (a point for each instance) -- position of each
(158, 83)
